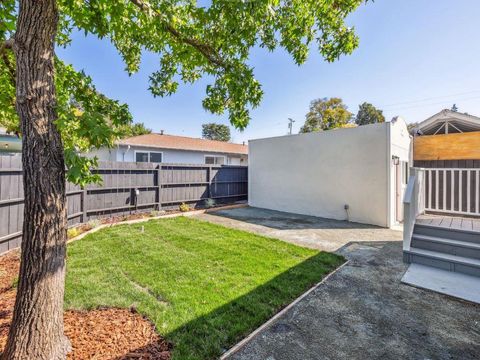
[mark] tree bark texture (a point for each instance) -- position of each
(37, 330)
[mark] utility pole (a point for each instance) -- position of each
(290, 125)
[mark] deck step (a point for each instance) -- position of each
(453, 247)
(463, 235)
(443, 261)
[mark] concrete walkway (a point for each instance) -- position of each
(308, 231)
(363, 311)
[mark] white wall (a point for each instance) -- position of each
(169, 156)
(318, 173)
(400, 146)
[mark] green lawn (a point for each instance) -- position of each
(203, 285)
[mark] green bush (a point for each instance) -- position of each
(184, 207)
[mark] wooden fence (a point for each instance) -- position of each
(126, 188)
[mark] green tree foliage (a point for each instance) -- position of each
(369, 114)
(190, 40)
(212, 131)
(326, 114)
(134, 129)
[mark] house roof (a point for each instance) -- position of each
(447, 121)
(163, 141)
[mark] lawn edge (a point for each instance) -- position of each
(136, 221)
(270, 321)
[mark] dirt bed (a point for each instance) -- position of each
(96, 334)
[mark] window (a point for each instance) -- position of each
(156, 157)
(405, 172)
(148, 156)
(214, 160)
(141, 156)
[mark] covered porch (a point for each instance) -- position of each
(442, 231)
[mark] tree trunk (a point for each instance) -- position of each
(36, 331)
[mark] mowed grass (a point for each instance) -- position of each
(204, 286)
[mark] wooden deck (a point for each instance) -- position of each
(450, 222)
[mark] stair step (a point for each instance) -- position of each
(443, 261)
(454, 247)
(447, 233)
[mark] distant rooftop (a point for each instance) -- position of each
(448, 122)
(163, 141)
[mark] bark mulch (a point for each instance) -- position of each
(115, 334)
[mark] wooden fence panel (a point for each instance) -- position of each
(126, 188)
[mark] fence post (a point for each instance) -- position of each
(84, 205)
(210, 182)
(159, 187)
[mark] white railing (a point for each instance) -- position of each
(413, 203)
(453, 191)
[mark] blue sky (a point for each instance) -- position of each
(415, 58)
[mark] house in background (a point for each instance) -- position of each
(163, 148)
(357, 174)
(447, 139)
(9, 144)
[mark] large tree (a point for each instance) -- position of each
(326, 114)
(368, 114)
(212, 131)
(190, 41)
(135, 129)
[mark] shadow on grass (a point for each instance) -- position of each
(208, 336)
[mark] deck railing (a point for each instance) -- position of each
(413, 203)
(453, 191)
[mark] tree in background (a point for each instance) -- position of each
(41, 92)
(326, 114)
(212, 131)
(134, 129)
(369, 114)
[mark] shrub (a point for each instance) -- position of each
(94, 223)
(72, 232)
(184, 207)
(209, 203)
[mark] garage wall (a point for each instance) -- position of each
(318, 173)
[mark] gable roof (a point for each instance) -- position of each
(163, 141)
(447, 121)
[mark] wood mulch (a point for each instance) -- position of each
(115, 334)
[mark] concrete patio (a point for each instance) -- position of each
(309, 231)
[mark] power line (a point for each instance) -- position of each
(430, 98)
(430, 104)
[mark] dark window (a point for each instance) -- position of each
(155, 157)
(141, 156)
(214, 160)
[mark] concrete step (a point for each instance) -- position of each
(459, 285)
(442, 261)
(448, 233)
(453, 247)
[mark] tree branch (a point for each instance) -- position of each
(205, 49)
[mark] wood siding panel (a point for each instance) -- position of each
(463, 146)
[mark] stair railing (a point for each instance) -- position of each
(413, 203)
(453, 191)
